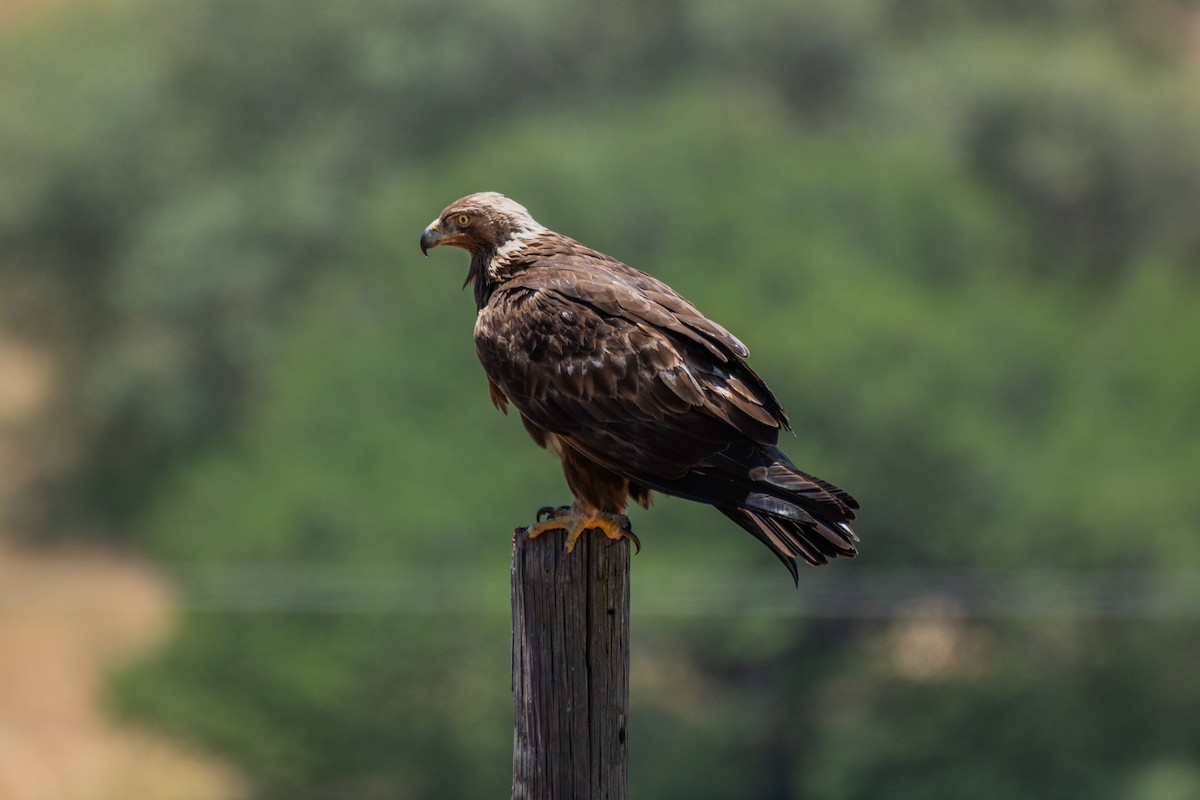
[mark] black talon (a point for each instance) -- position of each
(550, 512)
(637, 544)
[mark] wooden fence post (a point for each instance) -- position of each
(570, 668)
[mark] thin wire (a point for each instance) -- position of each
(857, 592)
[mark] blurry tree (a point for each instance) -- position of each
(166, 198)
(956, 237)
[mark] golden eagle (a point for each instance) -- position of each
(632, 387)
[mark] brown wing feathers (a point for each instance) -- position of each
(632, 378)
(640, 382)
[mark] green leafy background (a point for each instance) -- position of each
(960, 239)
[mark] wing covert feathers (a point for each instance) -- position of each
(629, 376)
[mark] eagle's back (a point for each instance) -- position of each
(631, 385)
(573, 336)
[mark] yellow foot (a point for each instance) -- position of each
(575, 522)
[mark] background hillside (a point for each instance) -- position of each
(959, 238)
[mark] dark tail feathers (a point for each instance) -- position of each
(816, 541)
(795, 514)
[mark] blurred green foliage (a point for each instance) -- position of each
(959, 238)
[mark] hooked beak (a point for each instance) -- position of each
(431, 237)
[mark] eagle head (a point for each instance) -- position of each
(479, 223)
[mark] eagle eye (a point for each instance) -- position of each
(462, 220)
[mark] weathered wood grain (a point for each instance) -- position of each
(570, 668)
